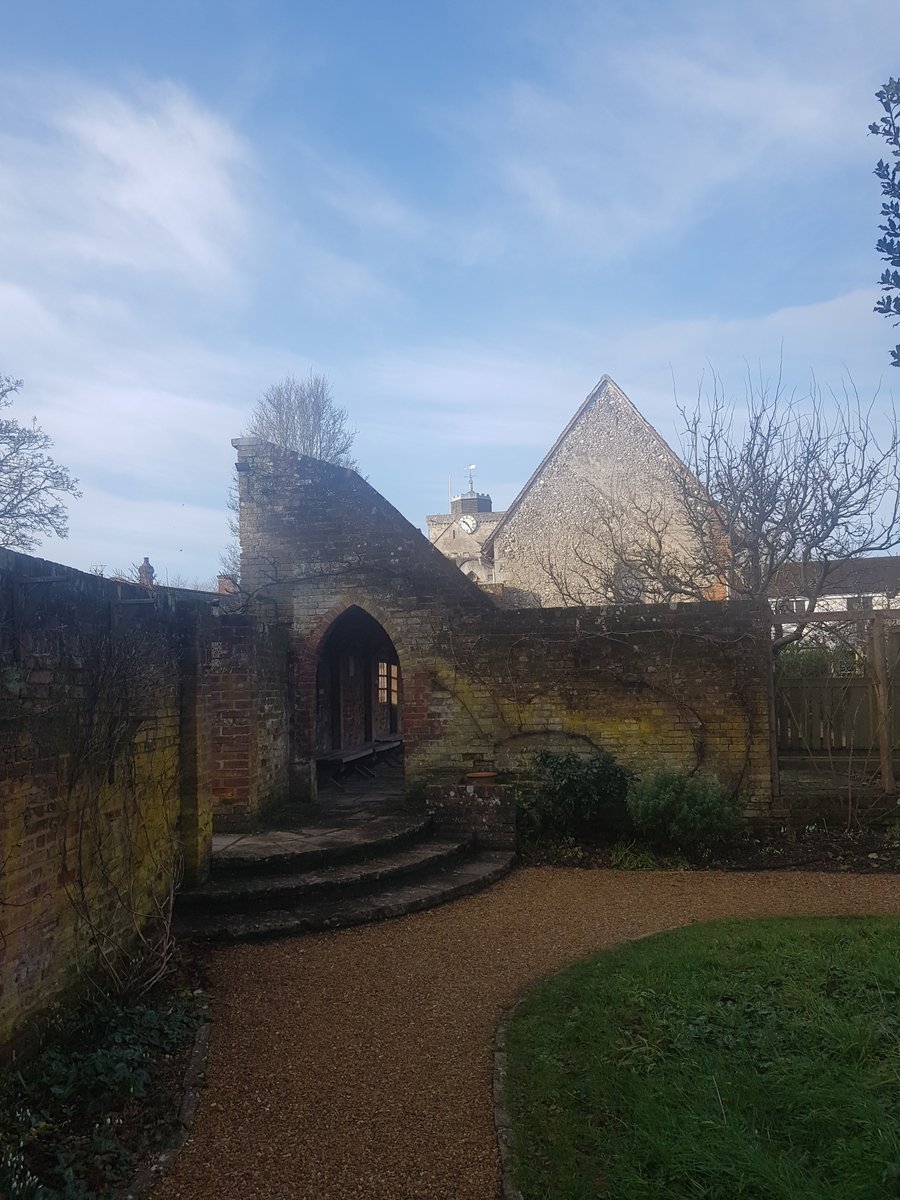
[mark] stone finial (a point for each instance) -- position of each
(146, 573)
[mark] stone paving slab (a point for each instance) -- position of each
(309, 844)
(275, 889)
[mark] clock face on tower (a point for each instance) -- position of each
(467, 523)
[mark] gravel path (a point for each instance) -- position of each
(358, 1063)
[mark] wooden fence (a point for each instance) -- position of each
(855, 715)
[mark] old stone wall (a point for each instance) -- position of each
(243, 716)
(483, 687)
(89, 737)
(317, 539)
(659, 688)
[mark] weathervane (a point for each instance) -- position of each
(470, 469)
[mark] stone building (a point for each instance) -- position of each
(601, 520)
(462, 533)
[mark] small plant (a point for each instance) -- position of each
(632, 856)
(575, 796)
(689, 813)
(569, 852)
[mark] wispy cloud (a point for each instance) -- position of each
(462, 394)
(161, 264)
(631, 134)
(358, 196)
(148, 182)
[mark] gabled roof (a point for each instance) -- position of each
(607, 387)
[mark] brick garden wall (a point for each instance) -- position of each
(123, 711)
(483, 687)
(131, 719)
(660, 688)
(243, 717)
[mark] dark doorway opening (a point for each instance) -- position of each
(358, 697)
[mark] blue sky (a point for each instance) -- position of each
(463, 213)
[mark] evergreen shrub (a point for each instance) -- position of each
(674, 810)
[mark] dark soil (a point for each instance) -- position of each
(861, 851)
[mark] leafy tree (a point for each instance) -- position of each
(32, 485)
(888, 246)
(301, 415)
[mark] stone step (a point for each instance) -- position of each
(469, 874)
(243, 891)
(289, 850)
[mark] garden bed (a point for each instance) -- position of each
(815, 848)
(100, 1097)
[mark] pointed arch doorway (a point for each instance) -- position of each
(359, 706)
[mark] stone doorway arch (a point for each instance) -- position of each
(358, 714)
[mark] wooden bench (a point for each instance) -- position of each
(338, 759)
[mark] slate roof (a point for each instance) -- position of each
(874, 576)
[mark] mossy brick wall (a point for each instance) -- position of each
(114, 739)
(681, 688)
(89, 736)
(483, 686)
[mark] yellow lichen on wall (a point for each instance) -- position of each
(92, 822)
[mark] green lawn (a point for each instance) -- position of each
(737, 1060)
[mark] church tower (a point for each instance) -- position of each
(462, 532)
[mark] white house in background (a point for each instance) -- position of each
(861, 585)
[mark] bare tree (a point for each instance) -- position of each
(778, 493)
(630, 545)
(31, 483)
(799, 488)
(301, 415)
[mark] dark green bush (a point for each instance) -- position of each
(684, 812)
(76, 1118)
(574, 796)
(818, 658)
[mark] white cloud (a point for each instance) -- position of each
(326, 278)
(360, 198)
(147, 183)
(464, 394)
(460, 394)
(831, 342)
(113, 531)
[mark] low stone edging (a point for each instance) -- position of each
(149, 1175)
(502, 1123)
